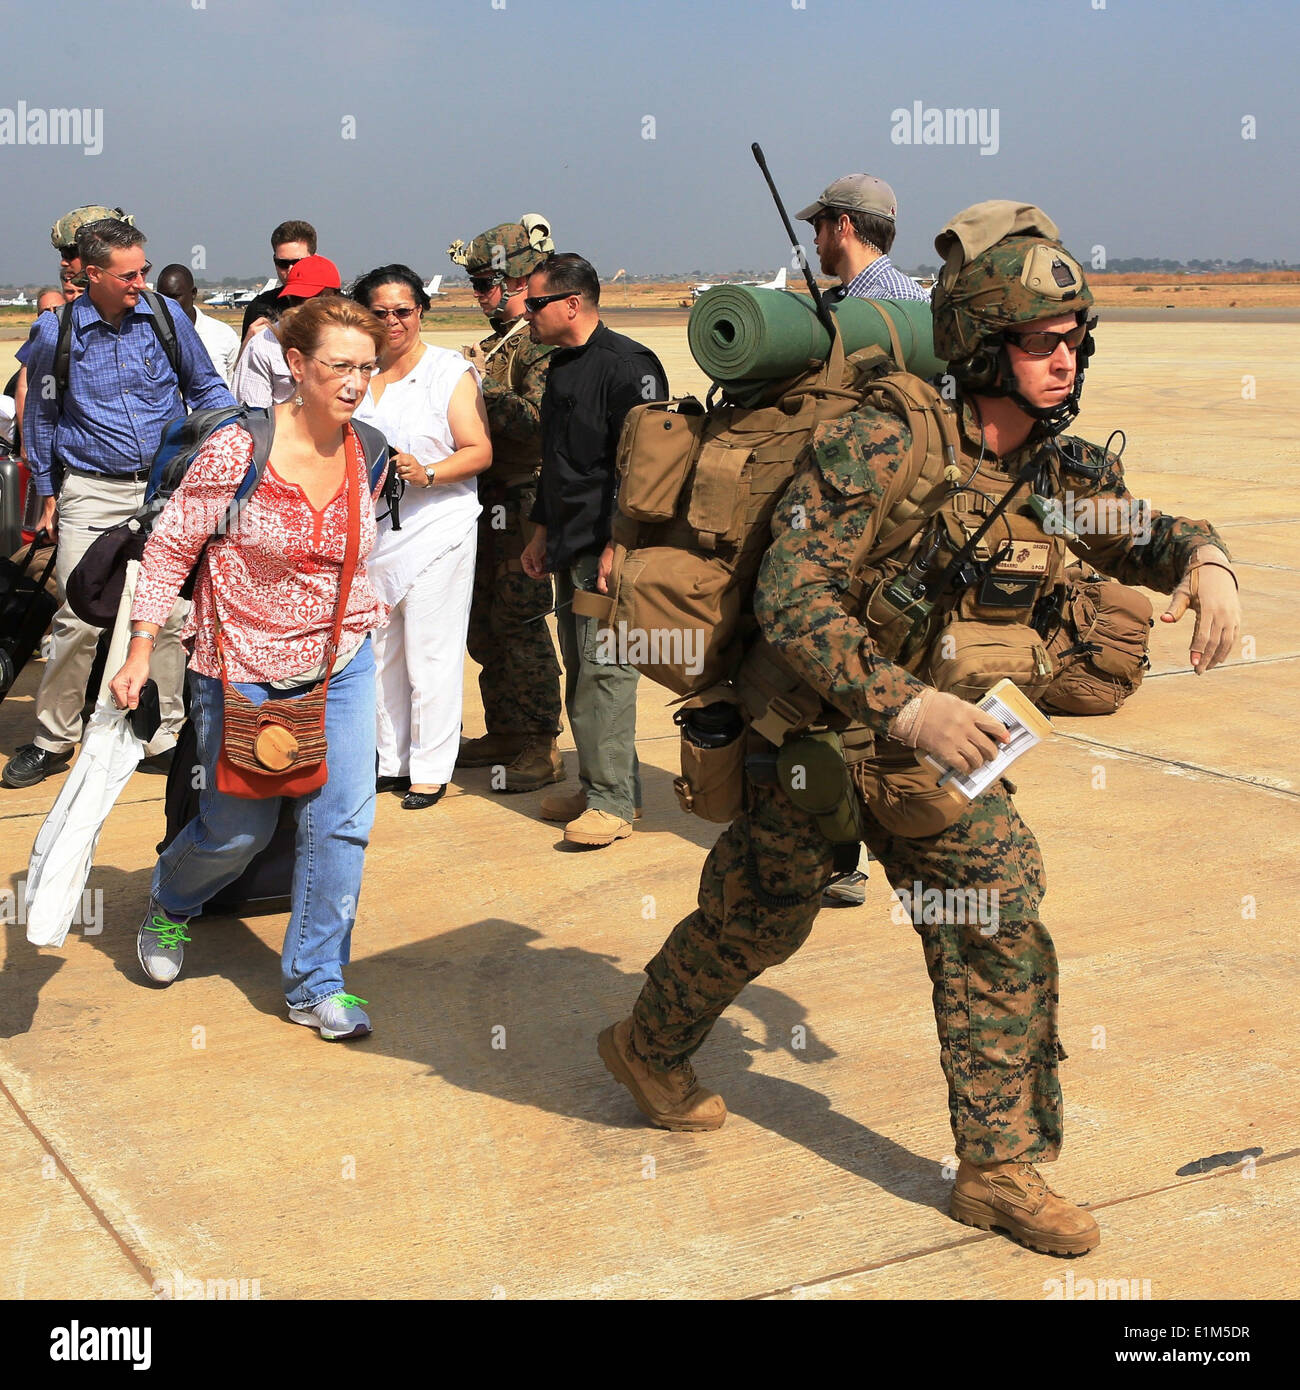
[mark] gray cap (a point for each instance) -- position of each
(854, 193)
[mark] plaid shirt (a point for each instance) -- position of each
(121, 391)
(880, 280)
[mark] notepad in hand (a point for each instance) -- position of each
(1027, 725)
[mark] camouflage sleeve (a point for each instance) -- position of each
(516, 416)
(826, 514)
(1124, 536)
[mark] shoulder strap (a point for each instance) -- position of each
(165, 328)
(63, 352)
(934, 435)
(374, 448)
(357, 496)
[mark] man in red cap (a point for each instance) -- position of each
(261, 374)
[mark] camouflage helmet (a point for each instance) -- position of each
(511, 249)
(64, 232)
(1004, 264)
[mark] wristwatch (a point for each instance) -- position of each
(429, 474)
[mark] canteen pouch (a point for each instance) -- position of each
(812, 773)
(1099, 653)
(968, 658)
(712, 784)
(659, 442)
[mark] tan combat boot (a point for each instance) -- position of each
(567, 806)
(537, 766)
(1015, 1198)
(670, 1099)
(491, 750)
(597, 829)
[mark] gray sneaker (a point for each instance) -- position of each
(846, 890)
(340, 1016)
(159, 945)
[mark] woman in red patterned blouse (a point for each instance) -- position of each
(273, 583)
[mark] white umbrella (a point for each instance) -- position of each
(65, 846)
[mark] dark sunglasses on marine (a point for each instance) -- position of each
(1043, 344)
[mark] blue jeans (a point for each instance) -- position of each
(333, 830)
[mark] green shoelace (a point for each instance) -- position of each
(170, 934)
(350, 1001)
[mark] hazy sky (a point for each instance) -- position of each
(222, 117)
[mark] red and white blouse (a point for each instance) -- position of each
(273, 580)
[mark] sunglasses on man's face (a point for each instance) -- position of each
(536, 302)
(1044, 344)
(287, 262)
(484, 284)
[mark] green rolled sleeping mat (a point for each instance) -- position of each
(742, 336)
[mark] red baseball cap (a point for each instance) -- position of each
(310, 276)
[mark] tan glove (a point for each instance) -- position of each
(951, 729)
(1209, 588)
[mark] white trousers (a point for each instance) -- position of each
(420, 670)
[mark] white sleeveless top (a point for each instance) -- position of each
(412, 416)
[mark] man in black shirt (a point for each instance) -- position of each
(596, 377)
(291, 242)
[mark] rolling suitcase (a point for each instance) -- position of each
(26, 610)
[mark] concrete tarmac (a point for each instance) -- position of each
(474, 1146)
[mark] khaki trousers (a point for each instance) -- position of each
(88, 506)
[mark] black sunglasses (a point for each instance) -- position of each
(484, 284)
(535, 302)
(286, 262)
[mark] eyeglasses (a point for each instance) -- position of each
(403, 313)
(286, 262)
(484, 284)
(536, 302)
(343, 369)
(1044, 344)
(131, 276)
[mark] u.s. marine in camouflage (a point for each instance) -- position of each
(508, 635)
(994, 973)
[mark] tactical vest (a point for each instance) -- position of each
(513, 461)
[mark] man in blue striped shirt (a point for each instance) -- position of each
(90, 446)
(854, 224)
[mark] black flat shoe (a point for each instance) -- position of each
(392, 784)
(421, 801)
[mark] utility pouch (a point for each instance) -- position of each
(659, 442)
(1099, 653)
(902, 792)
(712, 784)
(813, 774)
(969, 658)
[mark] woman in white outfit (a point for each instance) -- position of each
(429, 406)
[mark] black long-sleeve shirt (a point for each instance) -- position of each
(589, 391)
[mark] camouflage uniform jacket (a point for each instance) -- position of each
(831, 507)
(513, 382)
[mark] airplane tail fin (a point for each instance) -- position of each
(431, 288)
(778, 280)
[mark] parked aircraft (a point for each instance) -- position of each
(777, 282)
(20, 299)
(432, 290)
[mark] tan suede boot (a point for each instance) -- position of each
(567, 806)
(537, 766)
(491, 750)
(597, 829)
(670, 1099)
(1014, 1197)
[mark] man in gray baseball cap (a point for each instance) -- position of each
(854, 223)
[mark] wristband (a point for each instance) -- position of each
(140, 632)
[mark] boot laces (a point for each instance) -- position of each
(170, 934)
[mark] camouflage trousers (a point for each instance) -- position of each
(995, 989)
(508, 635)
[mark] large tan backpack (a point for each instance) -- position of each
(697, 490)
